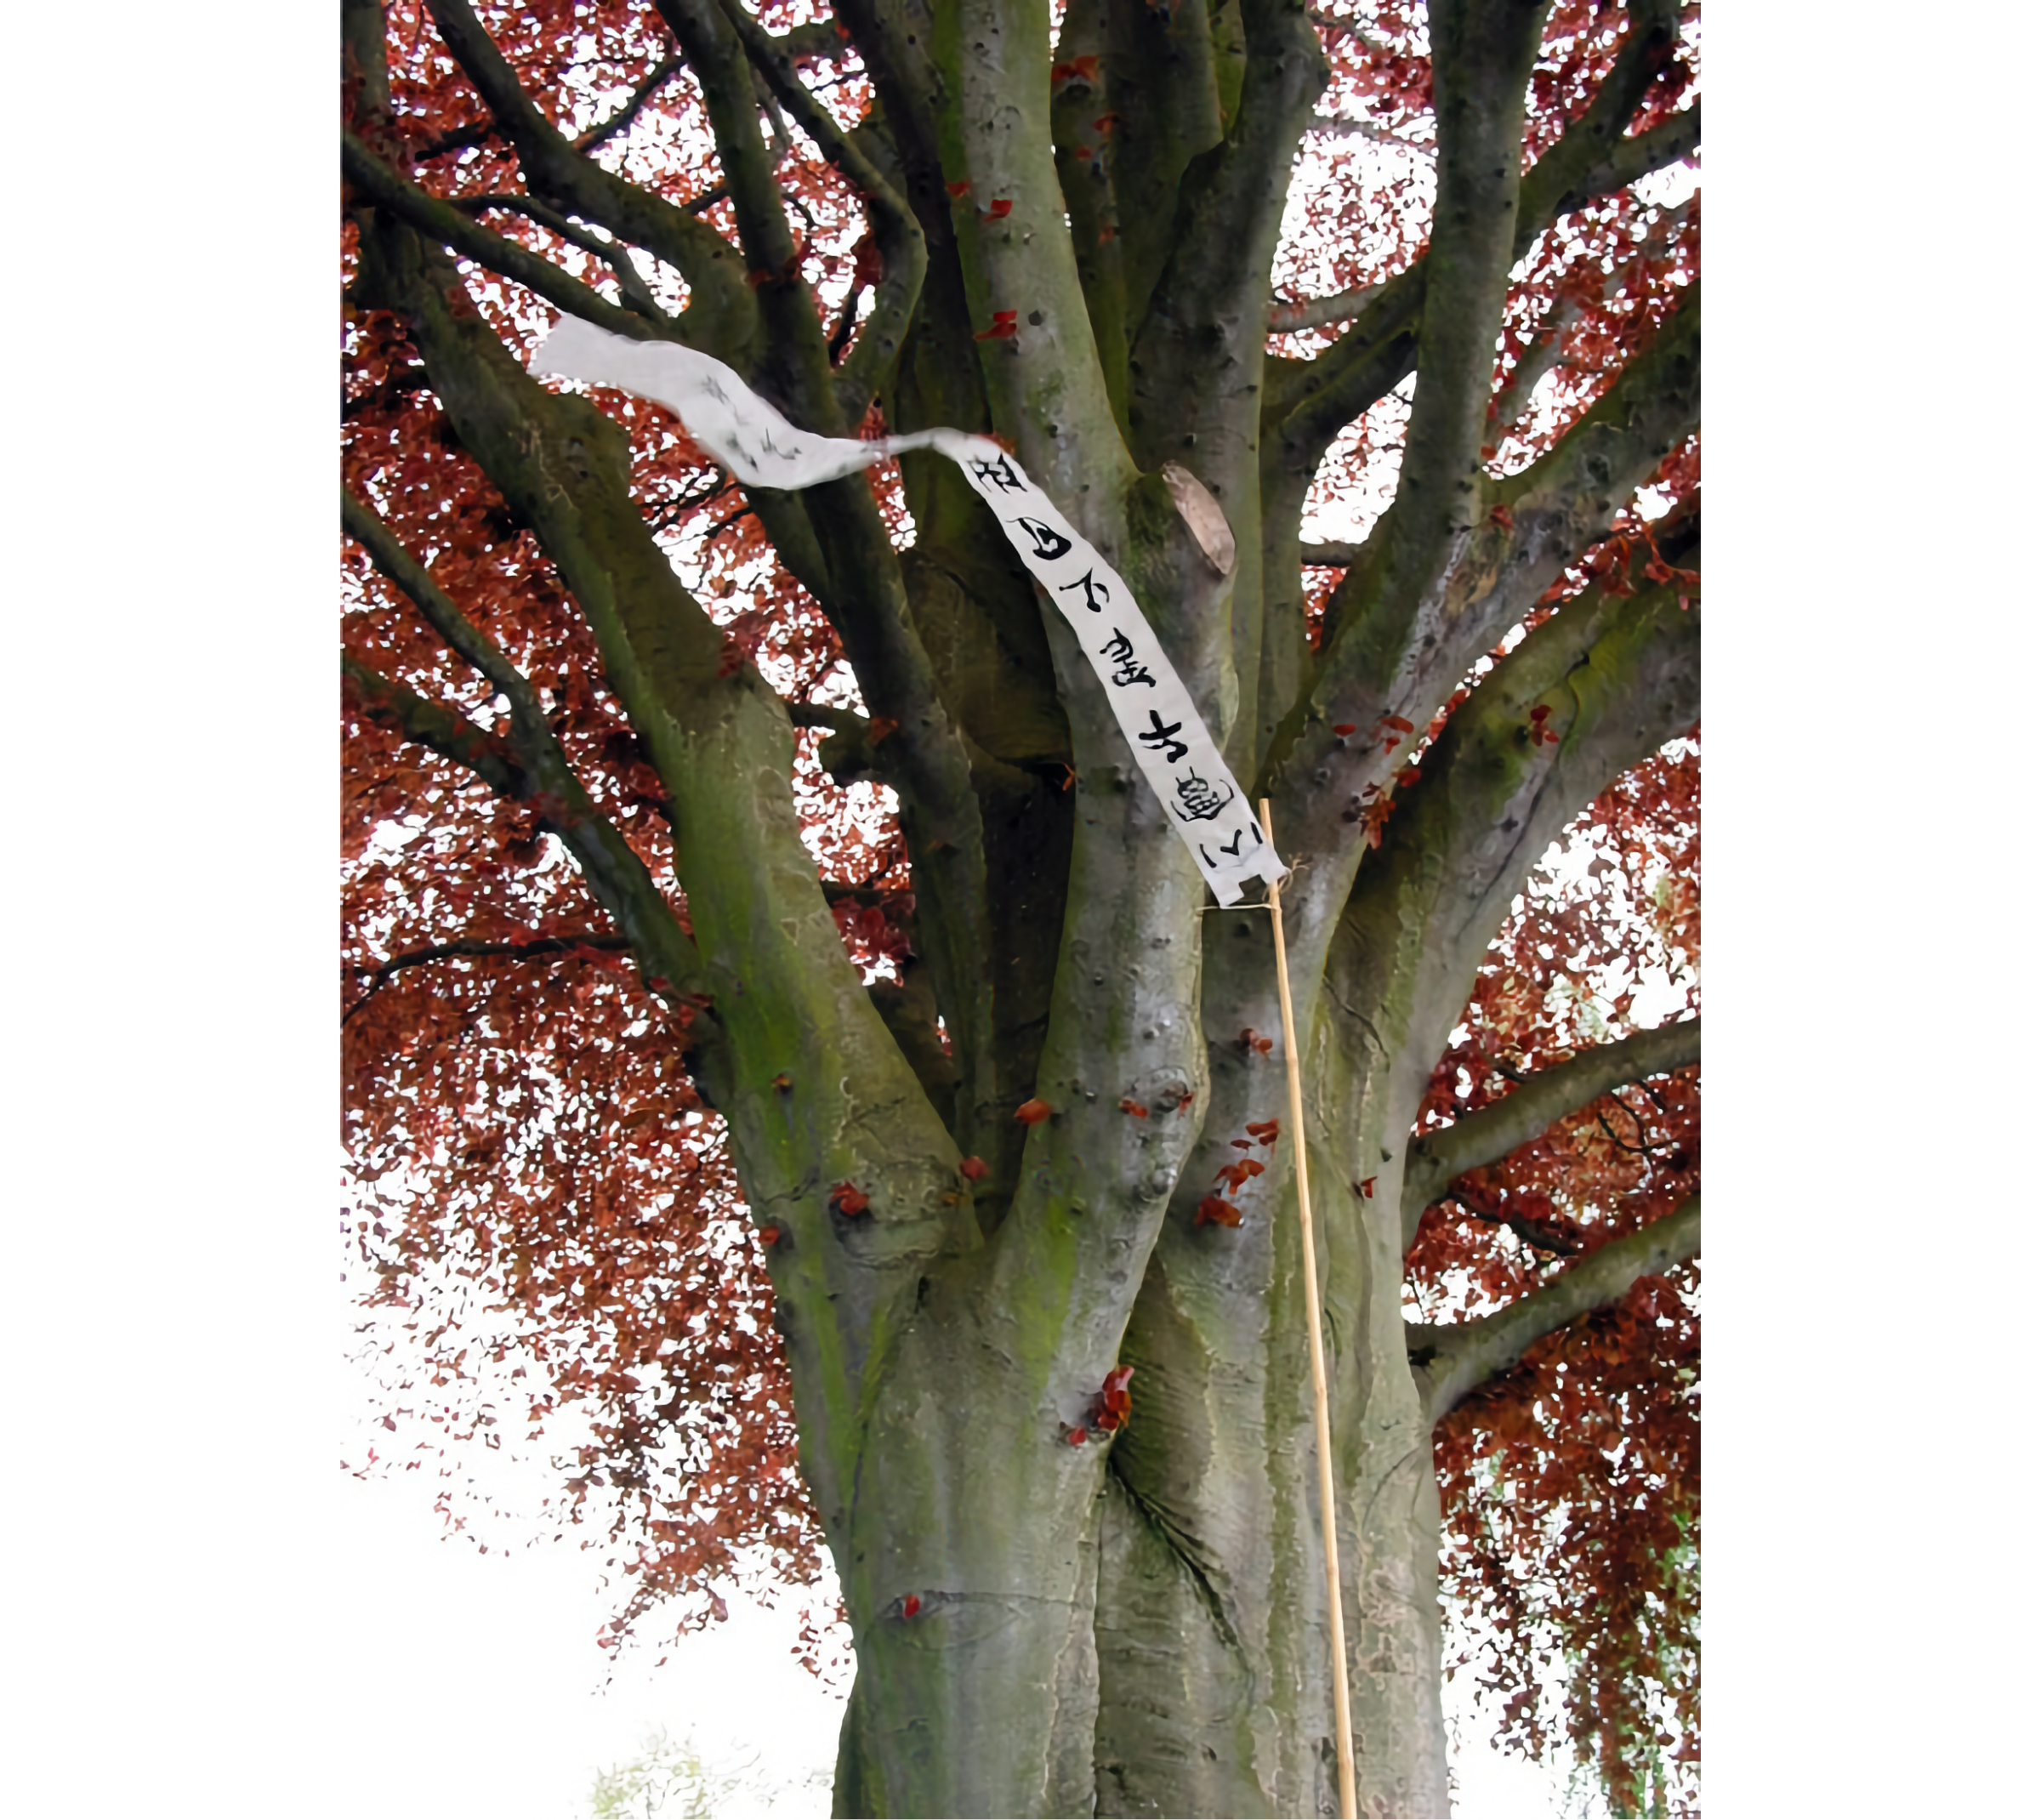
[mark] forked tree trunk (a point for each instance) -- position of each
(1138, 1625)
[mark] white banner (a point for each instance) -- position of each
(1205, 805)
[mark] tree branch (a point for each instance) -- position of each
(721, 317)
(1481, 55)
(543, 775)
(1513, 397)
(439, 612)
(901, 247)
(661, 73)
(379, 975)
(437, 728)
(1347, 28)
(1043, 375)
(1368, 130)
(1385, 654)
(792, 363)
(1450, 1361)
(1630, 160)
(1614, 677)
(1562, 179)
(820, 714)
(792, 1005)
(458, 139)
(442, 222)
(637, 295)
(1318, 398)
(1434, 1159)
(1208, 313)
(1288, 318)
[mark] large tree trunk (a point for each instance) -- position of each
(1140, 1623)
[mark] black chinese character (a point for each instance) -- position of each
(1049, 545)
(998, 474)
(1202, 802)
(1118, 651)
(1091, 589)
(1161, 737)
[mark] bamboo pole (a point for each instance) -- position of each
(1328, 1509)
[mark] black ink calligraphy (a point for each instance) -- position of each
(1199, 801)
(999, 474)
(1162, 739)
(1096, 594)
(1118, 651)
(1049, 545)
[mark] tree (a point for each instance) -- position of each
(775, 993)
(672, 1778)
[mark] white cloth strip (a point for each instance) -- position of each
(1163, 730)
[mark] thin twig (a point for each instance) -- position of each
(379, 975)
(665, 68)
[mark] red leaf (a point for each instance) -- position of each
(1212, 1211)
(1000, 208)
(1500, 516)
(1003, 326)
(1033, 1112)
(769, 1235)
(1078, 69)
(1343, 728)
(881, 724)
(910, 1604)
(1104, 123)
(1264, 1133)
(972, 1169)
(1240, 1143)
(782, 1083)
(847, 1201)
(1133, 1108)
(1366, 1190)
(1399, 723)
(1078, 1436)
(1539, 713)
(959, 189)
